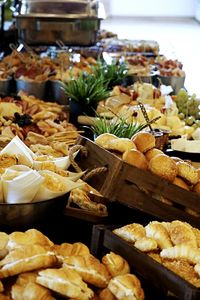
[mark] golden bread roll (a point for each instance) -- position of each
(26, 258)
(196, 231)
(135, 158)
(65, 282)
(126, 287)
(182, 233)
(197, 269)
(29, 237)
(180, 182)
(115, 264)
(131, 232)
(144, 141)
(104, 139)
(163, 166)
(4, 238)
(196, 188)
(26, 288)
(152, 153)
(106, 294)
(146, 244)
(89, 268)
(187, 172)
(157, 231)
(182, 251)
(121, 145)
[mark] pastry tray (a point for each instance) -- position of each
(146, 267)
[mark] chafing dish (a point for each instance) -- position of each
(75, 22)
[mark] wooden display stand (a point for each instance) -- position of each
(137, 188)
(154, 273)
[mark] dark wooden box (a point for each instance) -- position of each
(137, 188)
(147, 268)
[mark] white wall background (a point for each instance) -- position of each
(150, 8)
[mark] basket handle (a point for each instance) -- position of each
(73, 150)
(94, 172)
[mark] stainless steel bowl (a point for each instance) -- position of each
(176, 82)
(5, 86)
(57, 93)
(28, 214)
(37, 89)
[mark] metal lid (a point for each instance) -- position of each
(59, 8)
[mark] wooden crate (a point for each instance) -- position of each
(155, 273)
(136, 188)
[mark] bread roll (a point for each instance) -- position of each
(152, 153)
(135, 158)
(144, 141)
(187, 172)
(163, 166)
(121, 145)
(115, 264)
(65, 282)
(27, 258)
(103, 140)
(89, 268)
(126, 287)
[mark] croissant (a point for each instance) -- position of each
(115, 264)
(182, 251)
(158, 232)
(67, 249)
(181, 233)
(29, 237)
(131, 232)
(126, 287)
(65, 282)
(106, 294)
(27, 258)
(89, 268)
(26, 288)
(146, 244)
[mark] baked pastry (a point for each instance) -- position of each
(182, 233)
(146, 244)
(163, 166)
(103, 140)
(180, 182)
(152, 153)
(65, 282)
(106, 294)
(144, 141)
(187, 172)
(196, 231)
(121, 145)
(26, 288)
(131, 232)
(29, 237)
(184, 270)
(3, 244)
(158, 232)
(81, 198)
(27, 258)
(7, 160)
(182, 251)
(135, 158)
(126, 287)
(115, 264)
(66, 249)
(89, 268)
